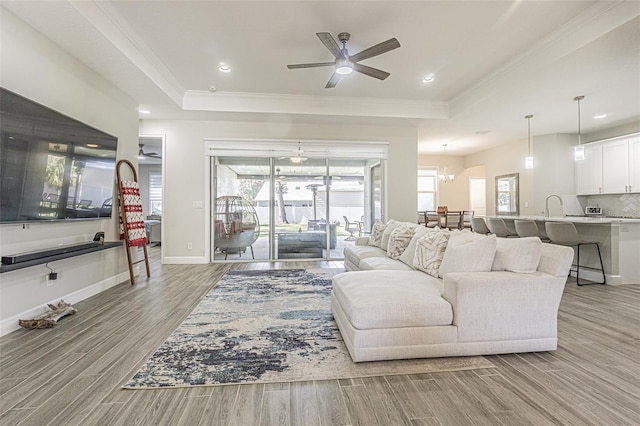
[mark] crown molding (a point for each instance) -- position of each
(598, 20)
(196, 100)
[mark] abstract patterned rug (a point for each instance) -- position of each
(265, 327)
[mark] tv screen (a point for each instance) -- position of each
(52, 167)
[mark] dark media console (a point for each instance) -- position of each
(25, 260)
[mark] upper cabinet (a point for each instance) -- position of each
(589, 171)
(615, 166)
(634, 164)
(610, 167)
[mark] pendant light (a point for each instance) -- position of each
(445, 177)
(528, 161)
(578, 150)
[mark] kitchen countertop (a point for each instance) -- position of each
(575, 219)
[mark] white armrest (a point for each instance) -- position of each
(503, 305)
(362, 241)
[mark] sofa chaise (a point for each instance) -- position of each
(453, 294)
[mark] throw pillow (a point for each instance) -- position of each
(430, 250)
(517, 255)
(468, 253)
(409, 253)
(399, 240)
(388, 229)
(375, 239)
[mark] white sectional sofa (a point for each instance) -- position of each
(470, 295)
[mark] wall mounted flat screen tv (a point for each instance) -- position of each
(52, 167)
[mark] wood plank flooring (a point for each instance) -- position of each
(72, 374)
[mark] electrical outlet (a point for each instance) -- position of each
(197, 204)
(48, 281)
(189, 246)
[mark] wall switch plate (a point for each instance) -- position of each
(189, 246)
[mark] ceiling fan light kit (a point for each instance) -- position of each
(345, 64)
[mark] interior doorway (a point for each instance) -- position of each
(151, 181)
(478, 196)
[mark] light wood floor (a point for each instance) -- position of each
(71, 375)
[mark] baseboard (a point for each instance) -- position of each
(11, 324)
(175, 260)
(596, 276)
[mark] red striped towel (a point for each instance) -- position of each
(133, 214)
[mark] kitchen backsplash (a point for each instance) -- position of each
(617, 205)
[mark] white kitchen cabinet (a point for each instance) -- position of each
(634, 164)
(589, 171)
(615, 166)
(610, 167)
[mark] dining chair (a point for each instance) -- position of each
(566, 234)
(467, 215)
(433, 219)
(497, 226)
(453, 219)
(479, 226)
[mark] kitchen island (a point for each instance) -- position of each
(619, 240)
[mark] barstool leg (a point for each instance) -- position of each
(604, 278)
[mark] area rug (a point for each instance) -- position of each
(264, 327)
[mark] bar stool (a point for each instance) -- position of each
(499, 228)
(479, 226)
(528, 228)
(566, 234)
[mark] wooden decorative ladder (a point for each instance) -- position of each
(131, 219)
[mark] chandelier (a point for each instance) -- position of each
(445, 176)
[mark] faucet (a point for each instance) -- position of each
(546, 203)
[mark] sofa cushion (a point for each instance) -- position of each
(430, 251)
(357, 253)
(409, 253)
(517, 255)
(468, 252)
(399, 240)
(382, 263)
(376, 234)
(388, 229)
(390, 299)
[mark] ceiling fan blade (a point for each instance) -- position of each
(328, 40)
(312, 65)
(335, 78)
(371, 72)
(376, 50)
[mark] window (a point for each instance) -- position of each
(427, 179)
(155, 193)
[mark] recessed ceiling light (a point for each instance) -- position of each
(144, 111)
(598, 117)
(429, 78)
(224, 68)
(213, 88)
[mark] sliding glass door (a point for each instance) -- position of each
(304, 208)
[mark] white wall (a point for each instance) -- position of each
(553, 171)
(34, 67)
(186, 165)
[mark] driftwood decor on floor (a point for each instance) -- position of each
(49, 319)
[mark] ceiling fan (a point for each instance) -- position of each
(346, 64)
(141, 153)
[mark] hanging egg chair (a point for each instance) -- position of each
(236, 225)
